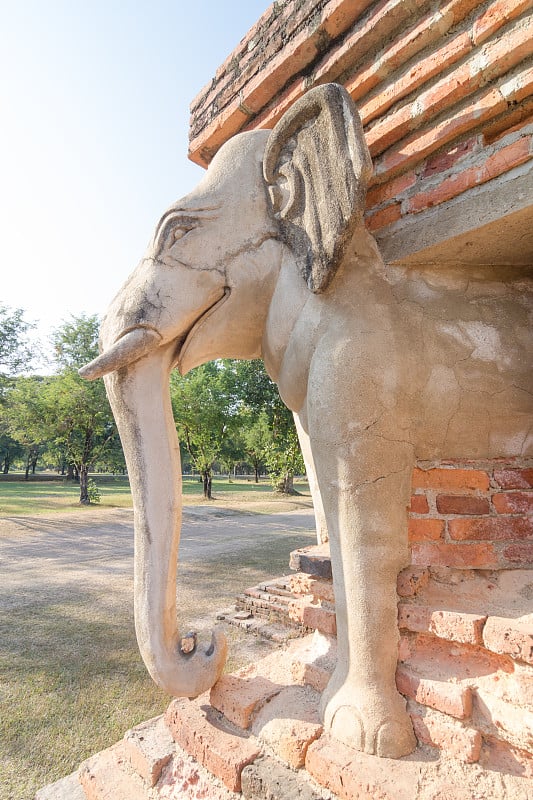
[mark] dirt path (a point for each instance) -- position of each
(53, 558)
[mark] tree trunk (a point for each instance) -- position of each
(286, 484)
(207, 480)
(6, 465)
(84, 490)
(256, 470)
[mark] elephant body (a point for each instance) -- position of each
(382, 366)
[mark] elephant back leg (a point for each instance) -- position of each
(320, 517)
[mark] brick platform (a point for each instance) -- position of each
(279, 751)
(465, 666)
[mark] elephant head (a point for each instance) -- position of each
(285, 199)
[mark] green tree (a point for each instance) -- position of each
(23, 417)
(16, 350)
(203, 403)
(77, 414)
(280, 449)
(77, 418)
(257, 436)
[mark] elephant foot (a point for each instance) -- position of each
(376, 725)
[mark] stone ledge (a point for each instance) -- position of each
(68, 788)
(267, 779)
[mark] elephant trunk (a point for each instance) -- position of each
(140, 399)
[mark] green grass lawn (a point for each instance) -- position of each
(29, 498)
(71, 676)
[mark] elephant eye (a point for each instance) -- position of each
(180, 231)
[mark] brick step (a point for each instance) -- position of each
(314, 560)
(203, 732)
(146, 765)
(281, 587)
(259, 625)
(109, 776)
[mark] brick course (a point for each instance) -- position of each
(427, 82)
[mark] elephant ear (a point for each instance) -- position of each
(317, 166)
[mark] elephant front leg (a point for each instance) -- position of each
(366, 515)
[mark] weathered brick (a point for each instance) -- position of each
(458, 9)
(490, 528)
(384, 18)
(411, 580)
(502, 161)
(507, 50)
(439, 730)
(389, 129)
(455, 626)
(503, 720)
(326, 760)
(68, 788)
(316, 617)
(103, 778)
(315, 560)
(462, 504)
(457, 662)
(510, 636)
(353, 775)
(513, 478)
(513, 502)
(495, 16)
(472, 556)
(450, 698)
(267, 779)
(390, 190)
(289, 723)
(486, 105)
(445, 160)
(208, 738)
(518, 87)
(322, 591)
(419, 504)
(422, 71)
(238, 696)
(149, 747)
(386, 216)
(450, 479)
(338, 15)
(425, 530)
(313, 664)
(501, 756)
(520, 553)
(458, 626)
(518, 117)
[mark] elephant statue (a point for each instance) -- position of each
(382, 366)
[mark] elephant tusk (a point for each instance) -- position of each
(130, 347)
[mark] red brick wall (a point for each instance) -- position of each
(466, 517)
(445, 95)
(466, 649)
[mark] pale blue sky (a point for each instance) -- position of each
(94, 100)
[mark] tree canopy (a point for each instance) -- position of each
(227, 412)
(16, 349)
